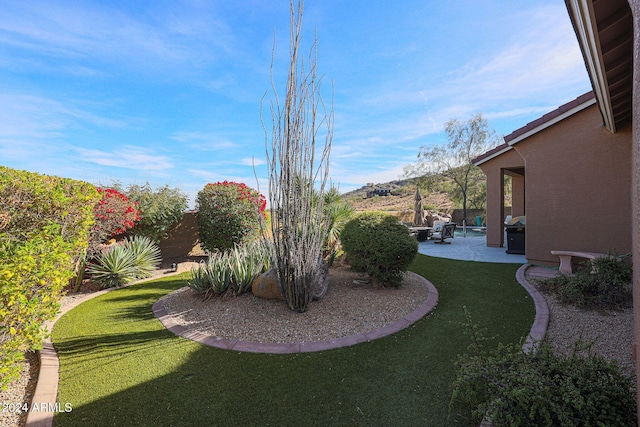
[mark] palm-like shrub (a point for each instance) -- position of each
(113, 267)
(120, 264)
(146, 255)
(378, 244)
(338, 213)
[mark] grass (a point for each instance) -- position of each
(120, 367)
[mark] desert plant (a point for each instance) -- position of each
(377, 243)
(603, 283)
(199, 281)
(233, 270)
(246, 263)
(146, 255)
(158, 209)
(338, 213)
(134, 258)
(296, 165)
(229, 213)
(113, 267)
(541, 388)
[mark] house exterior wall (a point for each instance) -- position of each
(182, 238)
(577, 205)
(635, 191)
(493, 169)
(517, 195)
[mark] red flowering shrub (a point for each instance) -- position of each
(114, 214)
(228, 214)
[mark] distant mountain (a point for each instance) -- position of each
(399, 202)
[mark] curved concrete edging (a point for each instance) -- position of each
(304, 347)
(46, 392)
(541, 321)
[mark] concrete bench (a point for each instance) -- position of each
(566, 257)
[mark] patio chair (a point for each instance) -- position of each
(443, 231)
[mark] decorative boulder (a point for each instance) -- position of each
(266, 286)
(432, 216)
(320, 281)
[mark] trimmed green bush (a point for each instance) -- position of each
(604, 283)
(378, 244)
(44, 229)
(541, 388)
(229, 214)
(159, 209)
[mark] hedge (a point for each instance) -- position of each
(44, 227)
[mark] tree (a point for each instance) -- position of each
(466, 140)
(159, 209)
(296, 164)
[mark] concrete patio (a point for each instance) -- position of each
(470, 248)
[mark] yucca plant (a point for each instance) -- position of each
(146, 254)
(113, 267)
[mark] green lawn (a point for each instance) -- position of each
(120, 367)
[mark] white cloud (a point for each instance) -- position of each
(203, 141)
(252, 161)
(127, 158)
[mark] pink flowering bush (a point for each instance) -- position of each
(229, 214)
(114, 214)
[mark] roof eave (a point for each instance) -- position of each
(548, 123)
(584, 24)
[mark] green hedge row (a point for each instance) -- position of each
(44, 227)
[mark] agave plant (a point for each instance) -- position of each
(246, 263)
(219, 272)
(145, 253)
(114, 267)
(200, 282)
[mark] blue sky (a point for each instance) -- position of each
(169, 92)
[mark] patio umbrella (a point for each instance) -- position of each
(418, 217)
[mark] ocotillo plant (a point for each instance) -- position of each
(298, 172)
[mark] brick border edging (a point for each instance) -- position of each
(46, 392)
(47, 384)
(304, 347)
(541, 321)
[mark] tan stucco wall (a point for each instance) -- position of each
(635, 191)
(182, 238)
(493, 169)
(577, 205)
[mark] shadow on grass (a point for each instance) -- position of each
(139, 374)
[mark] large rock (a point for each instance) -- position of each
(320, 281)
(432, 216)
(266, 286)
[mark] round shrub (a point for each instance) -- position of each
(159, 209)
(229, 214)
(604, 284)
(114, 214)
(378, 244)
